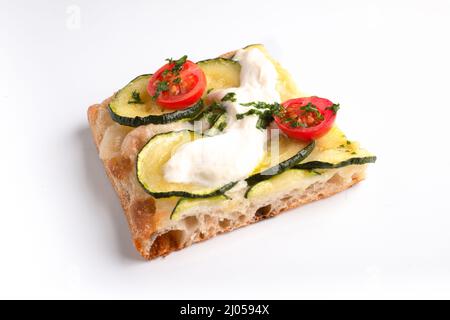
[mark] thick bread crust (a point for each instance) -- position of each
(114, 172)
(153, 234)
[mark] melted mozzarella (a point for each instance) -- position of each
(232, 155)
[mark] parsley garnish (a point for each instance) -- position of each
(162, 86)
(213, 112)
(334, 108)
(313, 109)
(263, 110)
(230, 96)
(177, 64)
(135, 98)
(296, 124)
(209, 90)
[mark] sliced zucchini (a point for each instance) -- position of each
(285, 181)
(132, 106)
(341, 156)
(333, 139)
(332, 151)
(185, 204)
(311, 165)
(289, 153)
(155, 154)
(221, 73)
(301, 173)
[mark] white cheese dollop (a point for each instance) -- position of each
(234, 154)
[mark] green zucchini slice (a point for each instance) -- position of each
(287, 180)
(301, 172)
(311, 165)
(185, 204)
(132, 106)
(290, 152)
(221, 73)
(337, 157)
(155, 154)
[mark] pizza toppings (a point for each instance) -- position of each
(178, 84)
(306, 118)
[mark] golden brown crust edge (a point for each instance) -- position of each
(97, 133)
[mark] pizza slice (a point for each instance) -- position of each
(198, 149)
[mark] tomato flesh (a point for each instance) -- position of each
(180, 89)
(306, 118)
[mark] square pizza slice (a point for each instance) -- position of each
(199, 149)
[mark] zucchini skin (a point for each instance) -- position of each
(327, 165)
(282, 166)
(179, 193)
(175, 215)
(252, 180)
(217, 60)
(187, 114)
(185, 194)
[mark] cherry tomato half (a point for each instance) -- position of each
(177, 89)
(306, 118)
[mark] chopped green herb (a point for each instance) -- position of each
(177, 80)
(334, 108)
(313, 109)
(275, 107)
(221, 126)
(264, 120)
(296, 124)
(263, 110)
(213, 112)
(209, 90)
(348, 142)
(353, 152)
(341, 146)
(230, 96)
(162, 86)
(135, 98)
(177, 64)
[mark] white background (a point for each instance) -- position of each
(62, 231)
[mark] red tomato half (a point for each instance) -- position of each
(306, 118)
(181, 89)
